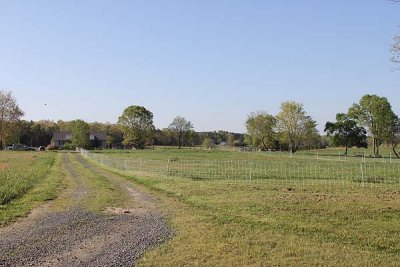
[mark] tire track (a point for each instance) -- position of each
(77, 237)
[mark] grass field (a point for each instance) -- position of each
(232, 222)
(275, 167)
(301, 218)
(27, 180)
(336, 154)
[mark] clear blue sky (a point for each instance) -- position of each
(212, 62)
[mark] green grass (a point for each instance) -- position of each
(257, 223)
(22, 175)
(27, 182)
(101, 191)
(206, 165)
(223, 223)
(354, 154)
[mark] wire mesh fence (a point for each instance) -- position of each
(284, 171)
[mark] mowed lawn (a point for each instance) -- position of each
(260, 223)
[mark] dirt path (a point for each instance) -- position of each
(76, 237)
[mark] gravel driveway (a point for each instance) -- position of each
(76, 237)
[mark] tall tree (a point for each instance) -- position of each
(181, 127)
(393, 134)
(136, 123)
(375, 113)
(294, 123)
(345, 132)
(9, 113)
(261, 129)
(80, 134)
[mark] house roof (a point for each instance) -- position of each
(102, 136)
(64, 136)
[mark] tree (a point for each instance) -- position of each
(208, 143)
(136, 123)
(312, 138)
(114, 135)
(345, 132)
(180, 126)
(191, 137)
(230, 139)
(395, 49)
(294, 123)
(9, 113)
(375, 113)
(80, 134)
(393, 134)
(261, 129)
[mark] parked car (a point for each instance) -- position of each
(19, 147)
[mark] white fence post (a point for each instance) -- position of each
(251, 169)
(167, 169)
(362, 175)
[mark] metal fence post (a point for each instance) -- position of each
(167, 169)
(362, 175)
(251, 169)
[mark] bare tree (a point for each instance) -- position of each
(9, 113)
(395, 49)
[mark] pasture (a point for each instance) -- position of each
(306, 168)
(305, 219)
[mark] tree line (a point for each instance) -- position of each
(134, 129)
(291, 129)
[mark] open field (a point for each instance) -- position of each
(215, 221)
(225, 222)
(333, 154)
(274, 167)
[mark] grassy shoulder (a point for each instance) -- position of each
(255, 223)
(46, 187)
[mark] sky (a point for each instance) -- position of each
(210, 61)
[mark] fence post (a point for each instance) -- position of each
(362, 175)
(167, 169)
(126, 169)
(251, 169)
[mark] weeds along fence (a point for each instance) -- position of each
(361, 173)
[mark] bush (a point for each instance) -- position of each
(69, 147)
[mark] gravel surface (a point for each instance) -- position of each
(77, 237)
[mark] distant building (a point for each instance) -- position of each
(97, 139)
